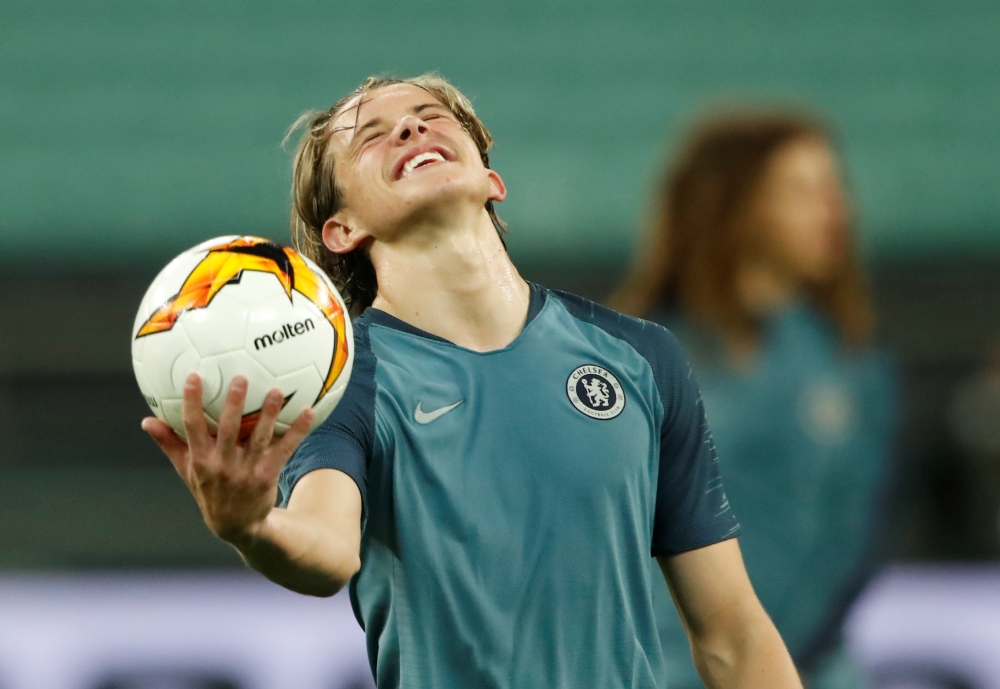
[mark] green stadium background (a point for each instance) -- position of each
(132, 130)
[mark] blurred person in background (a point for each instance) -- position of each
(750, 261)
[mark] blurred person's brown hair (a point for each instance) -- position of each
(315, 196)
(704, 225)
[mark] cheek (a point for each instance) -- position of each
(801, 232)
(362, 192)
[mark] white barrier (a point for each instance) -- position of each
(89, 631)
(933, 626)
(914, 626)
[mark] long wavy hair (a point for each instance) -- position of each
(700, 228)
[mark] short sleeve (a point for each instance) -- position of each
(692, 510)
(691, 507)
(344, 440)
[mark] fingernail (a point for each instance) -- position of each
(239, 384)
(192, 379)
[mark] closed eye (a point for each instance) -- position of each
(439, 116)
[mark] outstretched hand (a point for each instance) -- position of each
(234, 483)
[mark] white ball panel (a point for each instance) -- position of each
(186, 362)
(159, 358)
(240, 363)
(286, 336)
(211, 381)
(218, 328)
(172, 411)
(305, 384)
(280, 428)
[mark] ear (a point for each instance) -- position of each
(498, 191)
(341, 235)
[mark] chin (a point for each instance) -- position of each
(440, 199)
(821, 271)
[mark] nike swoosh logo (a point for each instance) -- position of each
(421, 416)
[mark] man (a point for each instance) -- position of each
(505, 459)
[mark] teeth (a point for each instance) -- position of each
(422, 158)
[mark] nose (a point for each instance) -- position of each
(407, 128)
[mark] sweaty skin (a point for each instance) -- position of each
(439, 261)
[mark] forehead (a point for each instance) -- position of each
(804, 156)
(385, 102)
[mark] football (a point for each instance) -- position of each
(242, 305)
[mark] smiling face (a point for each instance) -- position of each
(403, 160)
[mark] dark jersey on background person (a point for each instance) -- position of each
(513, 498)
(805, 438)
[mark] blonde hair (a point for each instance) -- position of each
(315, 197)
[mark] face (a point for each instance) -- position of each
(802, 212)
(403, 160)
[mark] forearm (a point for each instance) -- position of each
(755, 658)
(300, 552)
(733, 641)
(313, 546)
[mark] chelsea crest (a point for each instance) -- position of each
(596, 392)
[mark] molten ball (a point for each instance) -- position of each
(242, 305)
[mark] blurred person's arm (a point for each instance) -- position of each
(311, 547)
(733, 641)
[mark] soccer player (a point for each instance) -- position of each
(506, 458)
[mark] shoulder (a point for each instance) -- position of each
(344, 440)
(364, 357)
(361, 325)
(653, 341)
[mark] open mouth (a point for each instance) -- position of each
(422, 159)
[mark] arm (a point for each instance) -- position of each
(733, 641)
(311, 547)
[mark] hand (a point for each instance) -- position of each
(234, 484)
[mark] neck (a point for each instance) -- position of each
(764, 290)
(454, 282)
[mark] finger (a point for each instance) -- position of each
(193, 414)
(263, 431)
(232, 414)
(282, 451)
(173, 447)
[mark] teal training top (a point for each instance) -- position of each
(512, 499)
